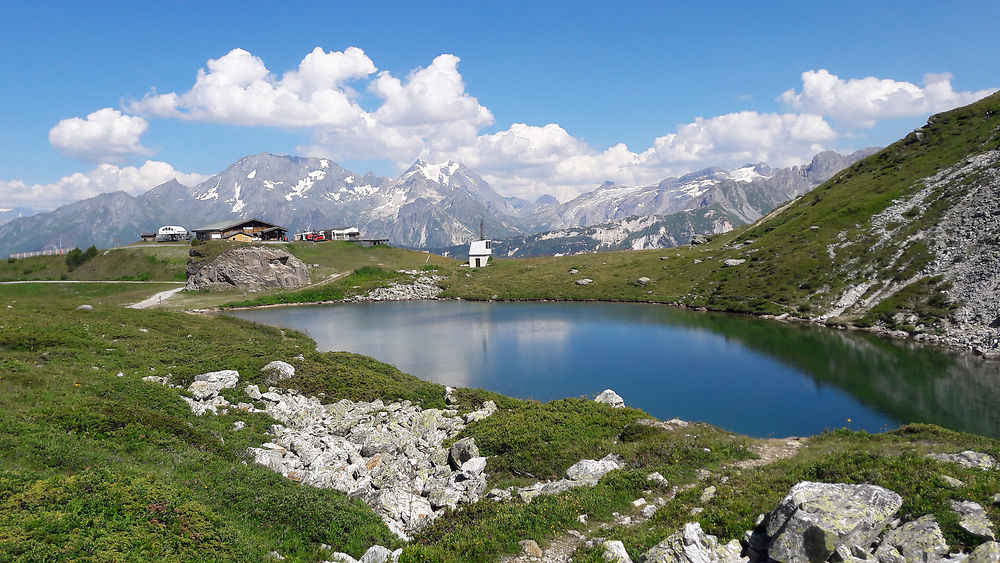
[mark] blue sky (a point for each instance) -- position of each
(538, 97)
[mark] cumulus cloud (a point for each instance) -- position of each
(528, 161)
(83, 185)
(427, 113)
(861, 102)
(238, 89)
(106, 135)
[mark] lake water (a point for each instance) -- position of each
(748, 375)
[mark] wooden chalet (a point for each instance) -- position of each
(242, 230)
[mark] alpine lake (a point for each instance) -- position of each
(753, 376)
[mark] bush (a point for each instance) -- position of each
(11, 260)
(74, 258)
(197, 242)
(90, 252)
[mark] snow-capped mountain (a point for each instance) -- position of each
(12, 213)
(749, 192)
(427, 206)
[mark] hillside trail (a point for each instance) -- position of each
(561, 548)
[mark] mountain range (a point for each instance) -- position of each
(431, 206)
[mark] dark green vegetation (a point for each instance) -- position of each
(76, 257)
(788, 267)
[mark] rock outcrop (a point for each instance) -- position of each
(815, 519)
(692, 545)
(247, 267)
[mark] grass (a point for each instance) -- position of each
(145, 262)
(93, 465)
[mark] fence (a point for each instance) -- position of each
(49, 252)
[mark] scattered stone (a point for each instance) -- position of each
(574, 271)
(379, 554)
(692, 545)
(590, 471)
(708, 494)
(609, 397)
(120, 374)
(530, 547)
(699, 239)
(649, 510)
(253, 392)
(952, 482)
(730, 262)
(389, 455)
(696, 261)
(972, 518)
(814, 518)
(642, 281)
(988, 552)
(83, 308)
(919, 540)
(207, 385)
(276, 371)
(697, 510)
(638, 502)
(614, 552)
(462, 451)
(489, 407)
(239, 425)
(968, 458)
(655, 477)
(584, 281)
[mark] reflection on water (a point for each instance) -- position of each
(747, 375)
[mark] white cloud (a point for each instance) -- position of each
(238, 89)
(428, 113)
(528, 161)
(861, 102)
(104, 136)
(104, 178)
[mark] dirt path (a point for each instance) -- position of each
(157, 299)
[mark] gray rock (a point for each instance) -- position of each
(489, 407)
(730, 262)
(609, 397)
(968, 458)
(85, 308)
(574, 271)
(815, 518)
(530, 547)
(253, 392)
(276, 371)
(614, 552)
(249, 267)
(972, 518)
(271, 396)
(952, 482)
(462, 451)
(699, 239)
(473, 467)
(642, 281)
(584, 281)
(655, 477)
(919, 540)
(239, 425)
(208, 385)
(377, 554)
(692, 545)
(708, 494)
(591, 471)
(988, 552)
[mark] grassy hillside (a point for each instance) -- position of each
(97, 466)
(141, 262)
(788, 267)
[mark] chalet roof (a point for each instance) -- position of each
(231, 224)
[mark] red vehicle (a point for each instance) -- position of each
(314, 237)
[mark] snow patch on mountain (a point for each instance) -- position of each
(212, 193)
(238, 204)
(305, 184)
(439, 173)
(746, 174)
(252, 174)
